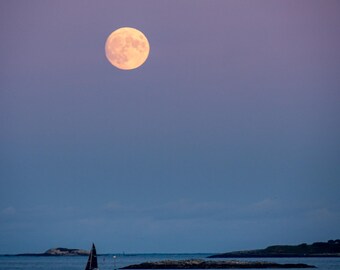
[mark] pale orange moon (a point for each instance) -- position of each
(127, 48)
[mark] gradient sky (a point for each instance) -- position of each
(227, 138)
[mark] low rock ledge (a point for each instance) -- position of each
(202, 264)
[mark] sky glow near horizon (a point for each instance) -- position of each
(227, 138)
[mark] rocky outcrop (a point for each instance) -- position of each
(59, 252)
(319, 249)
(201, 264)
(66, 252)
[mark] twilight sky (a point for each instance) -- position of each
(227, 137)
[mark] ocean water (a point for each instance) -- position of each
(107, 262)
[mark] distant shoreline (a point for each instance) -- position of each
(330, 249)
(316, 250)
(39, 255)
(53, 252)
(107, 254)
(208, 255)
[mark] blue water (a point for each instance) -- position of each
(107, 262)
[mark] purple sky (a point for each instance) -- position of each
(226, 138)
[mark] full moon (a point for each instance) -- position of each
(127, 48)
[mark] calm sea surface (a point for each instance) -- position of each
(107, 262)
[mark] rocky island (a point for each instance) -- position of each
(202, 264)
(318, 249)
(59, 252)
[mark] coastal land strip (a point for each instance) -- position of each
(202, 264)
(57, 252)
(318, 249)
